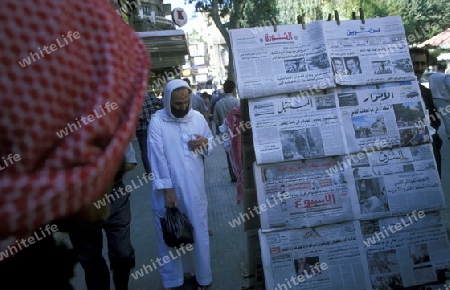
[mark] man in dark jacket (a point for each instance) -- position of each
(150, 106)
(420, 58)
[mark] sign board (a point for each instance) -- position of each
(179, 17)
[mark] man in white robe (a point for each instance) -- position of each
(178, 139)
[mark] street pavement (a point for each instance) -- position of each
(225, 242)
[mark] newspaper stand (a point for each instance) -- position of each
(403, 244)
(255, 275)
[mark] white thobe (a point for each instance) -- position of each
(175, 166)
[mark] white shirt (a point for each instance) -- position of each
(440, 86)
(130, 154)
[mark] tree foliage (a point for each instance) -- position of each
(422, 18)
(231, 14)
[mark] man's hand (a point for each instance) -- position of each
(130, 166)
(90, 214)
(198, 143)
(170, 199)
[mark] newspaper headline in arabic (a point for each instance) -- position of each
(389, 113)
(294, 59)
(370, 53)
(397, 181)
(288, 254)
(285, 61)
(287, 128)
(415, 255)
(316, 198)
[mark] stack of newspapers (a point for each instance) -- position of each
(348, 191)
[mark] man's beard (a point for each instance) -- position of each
(179, 113)
(418, 73)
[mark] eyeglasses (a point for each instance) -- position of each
(421, 63)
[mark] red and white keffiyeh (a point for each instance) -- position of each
(233, 122)
(74, 78)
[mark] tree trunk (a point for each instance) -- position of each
(234, 21)
(231, 73)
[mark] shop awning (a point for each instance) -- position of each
(167, 47)
(441, 40)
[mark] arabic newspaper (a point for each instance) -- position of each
(288, 60)
(289, 254)
(406, 250)
(389, 115)
(370, 53)
(397, 181)
(288, 127)
(302, 194)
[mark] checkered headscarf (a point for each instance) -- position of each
(63, 64)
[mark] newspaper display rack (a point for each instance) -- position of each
(346, 182)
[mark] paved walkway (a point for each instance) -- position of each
(225, 242)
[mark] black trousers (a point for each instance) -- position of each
(89, 247)
(42, 265)
(437, 144)
(141, 135)
(230, 168)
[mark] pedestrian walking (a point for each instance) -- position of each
(221, 110)
(88, 242)
(179, 138)
(440, 90)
